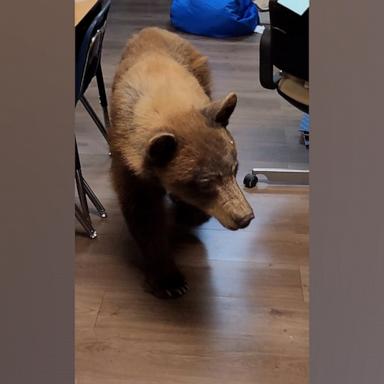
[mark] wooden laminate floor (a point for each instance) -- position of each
(245, 318)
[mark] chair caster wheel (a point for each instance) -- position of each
(250, 180)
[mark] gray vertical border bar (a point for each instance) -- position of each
(37, 192)
(347, 192)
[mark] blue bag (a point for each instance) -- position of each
(217, 18)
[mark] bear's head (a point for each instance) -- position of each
(195, 160)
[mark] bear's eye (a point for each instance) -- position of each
(212, 178)
(205, 183)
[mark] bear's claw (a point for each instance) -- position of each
(169, 287)
(172, 293)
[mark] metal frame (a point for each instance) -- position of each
(84, 191)
(97, 38)
(283, 176)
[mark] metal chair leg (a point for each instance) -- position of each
(85, 223)
(94, 117)
(82, 215)
(95, 201)
(84, 190)
(80, 186)
(103, 97)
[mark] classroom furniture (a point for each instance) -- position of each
(90, 23)
(284, 67)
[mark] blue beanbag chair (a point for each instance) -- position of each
(217, 18)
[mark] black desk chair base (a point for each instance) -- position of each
(277, 176)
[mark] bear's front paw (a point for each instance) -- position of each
(169, 285)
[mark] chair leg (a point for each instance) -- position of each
(84, 190)
(94, 117)
(95, 201)
(85, 223)
(103, 97)
(82, 215)
(80, 186)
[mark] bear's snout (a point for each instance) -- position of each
(231, 207)
(243, 222)
(234, 221)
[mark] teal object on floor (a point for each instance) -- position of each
(216, 18)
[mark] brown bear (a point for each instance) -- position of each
(168, 137)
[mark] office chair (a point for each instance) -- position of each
(89, 41)
(284, 46)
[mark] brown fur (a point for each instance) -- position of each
(167, 136)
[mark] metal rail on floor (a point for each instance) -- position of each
(278, 176)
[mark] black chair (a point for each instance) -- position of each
(89, 41)
(284, 67)
(284, 45)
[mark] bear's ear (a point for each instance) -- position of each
(220, 111)
(162, 148)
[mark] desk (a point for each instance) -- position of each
(82, 7)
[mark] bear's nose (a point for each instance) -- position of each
(244, 221)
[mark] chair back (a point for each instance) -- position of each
(289, 40)
(88, 55)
